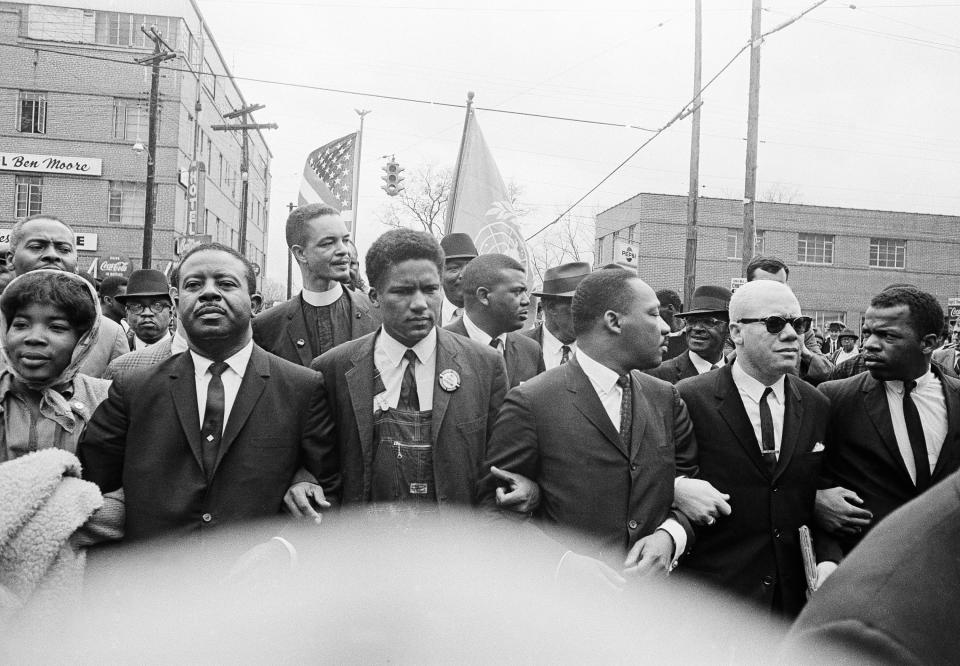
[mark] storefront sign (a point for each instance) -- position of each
(73, 166)
(82, 242)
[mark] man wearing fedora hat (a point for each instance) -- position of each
(706, 330)
(458, 250)
(848, 347)
(149, 308)
(555, 335)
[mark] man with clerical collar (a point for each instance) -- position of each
(458, 251)
(324, 314)
(148, 306)
(495, 305)
(706, 326)
(414, 404)
(555, 335)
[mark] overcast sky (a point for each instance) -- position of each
(858, 106)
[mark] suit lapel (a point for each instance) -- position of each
(446, 360)
(641, 410)
(359, 380)
(792, 423)
(183, 390)
(588, 403)
(877, 408)
(362, 321)
(511, 358)
(297, 331)
(731, 409)
(251, 387)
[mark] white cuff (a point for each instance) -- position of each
(294, 560)
(675, 530)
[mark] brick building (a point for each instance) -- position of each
(74, 120)
(838, 257)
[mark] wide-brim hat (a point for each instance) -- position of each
(458, 246)
(708, 299)
(847, 333)
(837, 324)
(562, 280)
(145, 282)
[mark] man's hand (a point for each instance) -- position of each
(699, 501)
(651, 555)
(301, 498)
(839, 511)
(824, 569)
(582, 570)
(521, 494)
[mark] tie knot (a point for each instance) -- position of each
(908, 387)
(623, 381)
(218, 368)
(565, 349)
(766, 393)
(495, 342)
(410, 356)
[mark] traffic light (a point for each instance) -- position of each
(392, 180)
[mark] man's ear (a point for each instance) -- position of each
(175, 297)
(929, 342)
(298, 254)
(483, 295)
(374, 297)
(611, 321)
(256, 301)
(736, 333)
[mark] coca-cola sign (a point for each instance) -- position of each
(119, 266)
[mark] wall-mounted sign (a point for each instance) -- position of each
(73, 166)
(196, 178)
(626, 252)
(115, 265)
(83, 242)
(736, 283)
(184, 243)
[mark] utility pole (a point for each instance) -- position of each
(693, 196)
(753, 119)
(243, 126)
(290, 207)
(161, 52)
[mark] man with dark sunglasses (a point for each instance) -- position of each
(759, 432)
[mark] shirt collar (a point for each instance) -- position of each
(703, 365)
(922, 382)
(425, 349)
(320, 299)
(551, 344)
(238, 362)
(478, 334)
(179, 343)
(753, 388)
(598, 373)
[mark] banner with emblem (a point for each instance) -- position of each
(328, 176)
(480, 204)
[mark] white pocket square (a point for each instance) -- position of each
(817, 448)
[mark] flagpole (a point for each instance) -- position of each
(452, 203)
(356, 171)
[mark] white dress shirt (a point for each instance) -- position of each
(553, 349)
(703, 365)
(932, 407)
(604, 382)
(843, 355)
(448, 312)
(479, 335)
(231, 377)
(179, 343)
(751, 391)
(319, 299)
(388, 359)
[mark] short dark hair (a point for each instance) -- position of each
(485, 270)
(16, 232)
(65, 291)
(399, 245)
(926, 315)
(216, 247)
(606, 289)
(768, 263)
(111, 285)
(668, 297)
(298, 218)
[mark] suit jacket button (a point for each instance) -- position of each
(206, 517)
(776, 533)
(768, 580)
(632, 524)
(633, 468)
(301, 342)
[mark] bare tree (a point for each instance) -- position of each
(423, 201)
(273, 291)
(568, 240)
(780, 193)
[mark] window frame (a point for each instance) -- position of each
(40, 101)
(758, 247)
(899, 253)
(130, 210)
(28, 196)
(809, 243)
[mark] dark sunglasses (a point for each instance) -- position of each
(776, 324)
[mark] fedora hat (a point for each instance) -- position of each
(145, 282)
(847, 333)
(458, 246)
(708, 299)
(562, 280)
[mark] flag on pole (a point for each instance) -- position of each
(328, 176)
(481, 204)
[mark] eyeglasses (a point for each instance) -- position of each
(708, 322)
(156, 306)
(776, 324)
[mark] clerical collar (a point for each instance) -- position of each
(319, 299)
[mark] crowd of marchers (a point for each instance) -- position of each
(639, 436)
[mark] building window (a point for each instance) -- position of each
(122, 29)
(29, 196)
(127, 203)
(888, 253)
(735, 243)
(131, 120)
(815, 249)
(33, 112)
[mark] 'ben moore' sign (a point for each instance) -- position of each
(73, 166)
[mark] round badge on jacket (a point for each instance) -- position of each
(449, 380)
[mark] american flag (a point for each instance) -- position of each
(328, 175)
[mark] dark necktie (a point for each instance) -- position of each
(918, 443)
(767, 439)
(626, 411)
(714, 366)
(409, 398)
(212, 430)
(564, 354)
(495, 343)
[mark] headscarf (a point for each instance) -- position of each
(53, 404)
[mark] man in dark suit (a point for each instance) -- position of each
(148, 307)
(705, 325)
(894, 599)
(324, 314)
(759, 433)
(893, 431)
(495, 306)
(458, 251)
(555, 335)
(414, 404)
(601, 438)
(948, 358)
(214, 435)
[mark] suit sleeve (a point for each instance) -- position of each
(839, 641)
(319, 444)
(817, 369)
(826, 545)
(685, 441)
(103, 444)
(513, 446)
(498, 390)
